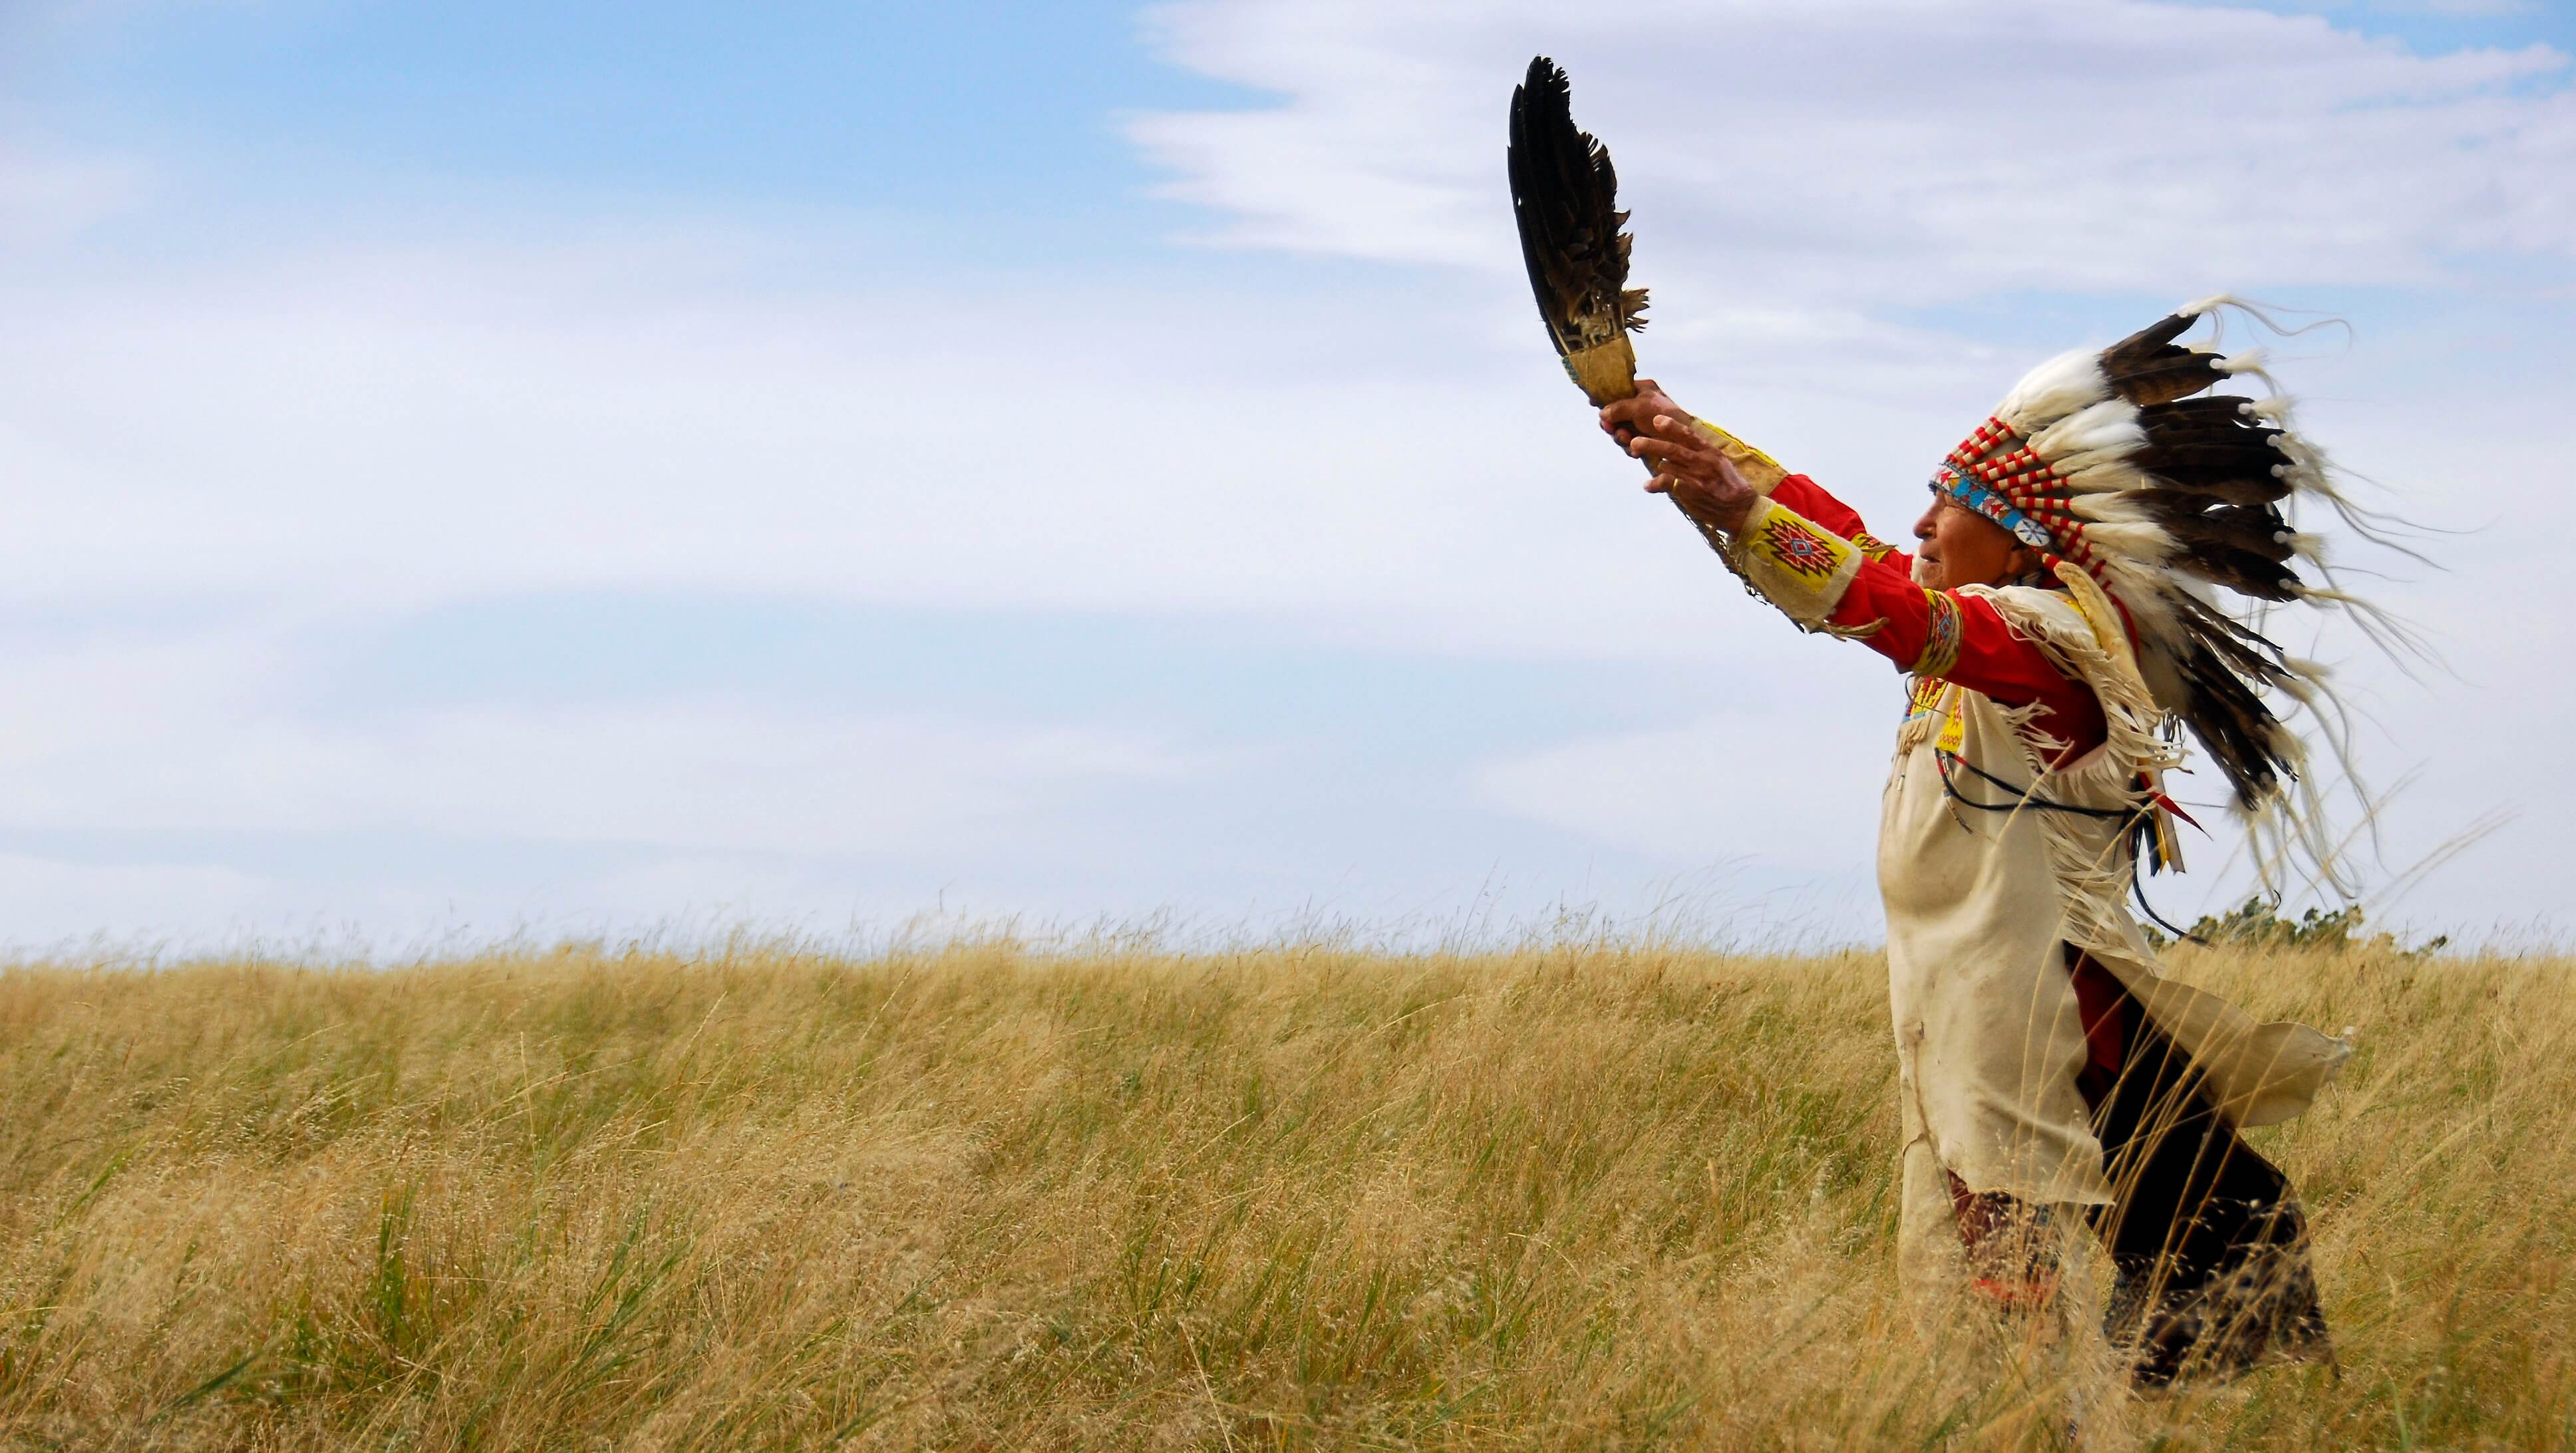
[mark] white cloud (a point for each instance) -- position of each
(1791, 788)
(200, 733)
(312, 433)
(2457, 7)
(369, 431)
(1889, 152)
(47, 200)
(341, 436)
(49, 902)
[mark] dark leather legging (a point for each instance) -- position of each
(2208, 1246)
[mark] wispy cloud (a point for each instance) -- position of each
(48, 199)
(178, 732)
(1874, 151)
(389, 430)
(1752, 784)
(2459, 7)
(256, 419)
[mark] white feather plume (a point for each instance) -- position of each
(2109, 426)
(2050, 392)
(2137, 539)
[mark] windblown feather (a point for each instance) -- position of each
(1565, 197)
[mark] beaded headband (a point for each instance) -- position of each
(1995, 472)
(1952, 484)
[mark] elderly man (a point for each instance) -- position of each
(2050, 1077)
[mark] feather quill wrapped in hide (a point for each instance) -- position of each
(1565, 196)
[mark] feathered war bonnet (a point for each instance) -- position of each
(2124, 464)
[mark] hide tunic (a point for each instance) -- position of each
(2029, 746)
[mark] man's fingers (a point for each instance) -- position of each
(1671, 434)
(1663, 450)
(1638, 409)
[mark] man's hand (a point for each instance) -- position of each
(1687, 464)
(1621, 420)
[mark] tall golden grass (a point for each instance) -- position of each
(979, 1196)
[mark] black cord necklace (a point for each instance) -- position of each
(2022, 796)
(2136, 821)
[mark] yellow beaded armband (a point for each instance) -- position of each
(1795, 563)
(1940, 636)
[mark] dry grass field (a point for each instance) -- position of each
(1577, 1196)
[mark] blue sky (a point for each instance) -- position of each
(481, 469)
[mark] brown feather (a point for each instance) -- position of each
(2192, 519)
(2166, 429)
(2242, 571)
(2130, 353)
(2221, 667)
(2202, 407)
(2226, 487)
(2175, 373)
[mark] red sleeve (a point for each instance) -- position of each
(1951, 637)
(1811, 499)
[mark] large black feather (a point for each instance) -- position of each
(2194, 520)
(2239, 569)
(2232, 723)
(2248, 455)
(2224, 666)
(2171, 424)
(2258, 529)
(2206, 407)
(2127, 355)
(1565, 197)
(2230, 489)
